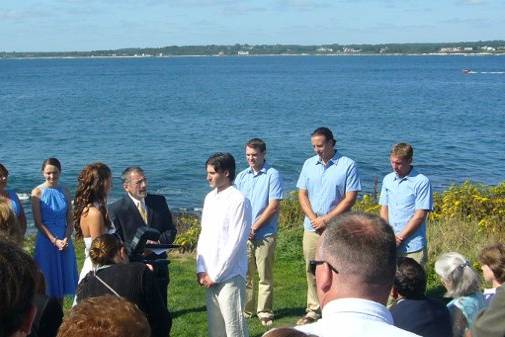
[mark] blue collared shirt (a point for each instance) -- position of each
(403, 196)
(327, 185)
(260, 189)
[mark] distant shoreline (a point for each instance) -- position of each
(250, 55)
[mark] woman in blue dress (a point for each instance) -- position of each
(12, 198)
(54, 251)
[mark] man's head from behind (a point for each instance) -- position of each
(359, 252)
(105, 316)
(410, 279)
(17, 289)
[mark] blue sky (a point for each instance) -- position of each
(63, 25)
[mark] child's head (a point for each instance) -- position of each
(492, 261)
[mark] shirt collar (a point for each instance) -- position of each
(409, 176)
(374, 309)
(262, 170)
(333, 159)
(137, 201)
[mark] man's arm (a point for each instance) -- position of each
(415, 221)
(384, 213)
(303, 198)
(268, 213)
(165, 222)
(343, 206)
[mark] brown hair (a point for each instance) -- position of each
(9, 226)
(91, 191)
(51, 161)
(104, 248)
(403, 150)
(105, 316)
(3, 170)
(257, 144)
(17, 277)
(494, 257)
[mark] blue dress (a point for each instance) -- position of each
(59, 267)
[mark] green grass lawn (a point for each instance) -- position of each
(186, 299)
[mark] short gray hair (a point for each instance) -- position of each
(361, 245)
(459, 276)
(125, 176)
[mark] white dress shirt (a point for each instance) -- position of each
(355, 317)
(226, 222)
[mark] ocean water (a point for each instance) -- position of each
(169, 114)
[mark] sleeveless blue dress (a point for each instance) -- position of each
(59, 267)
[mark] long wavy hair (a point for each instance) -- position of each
(91, 191)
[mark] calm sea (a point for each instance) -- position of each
(169, 114)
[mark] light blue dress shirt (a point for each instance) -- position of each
(260, 189)
(327, 185)
(403, 196)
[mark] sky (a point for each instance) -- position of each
(84, 25)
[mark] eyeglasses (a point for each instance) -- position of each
(314, 263)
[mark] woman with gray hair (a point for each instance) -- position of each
(463, 285)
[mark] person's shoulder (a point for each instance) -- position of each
(272, 171)
(118, 203)
(419, 177)
(346, 160)
(155, 198)
(37, 191)
(242, 173)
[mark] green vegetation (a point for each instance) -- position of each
(466, 218)
(491, 47)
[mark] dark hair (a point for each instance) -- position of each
(323, 131)
(92, 317)
(51, 161)
(17, 290)
(3, 170)
(104, 248)
(410, 278)
(494, 257)
(257, 144)
(125, 176)
(285, 332)
(222, 162)
(361, 245)
(91, 191)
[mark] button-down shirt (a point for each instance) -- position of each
(403, 196)
(260, 188)
(222, 245)
(327, 185)
(355, 317)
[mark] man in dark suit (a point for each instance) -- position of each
(138, 208)
(414, 311)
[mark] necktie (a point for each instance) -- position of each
(142, 212)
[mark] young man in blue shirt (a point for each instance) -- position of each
(406, 198)
(327, 187)
(262, 185)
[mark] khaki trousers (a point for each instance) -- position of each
(309, 252)
(260, 255)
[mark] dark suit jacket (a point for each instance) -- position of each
(427, 317)
(126, 217)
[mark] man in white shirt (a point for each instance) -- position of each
(221, 253)
(354, 270)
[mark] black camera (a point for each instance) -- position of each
(139, 244)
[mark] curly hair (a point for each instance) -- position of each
(90, 191)
(92, 317)
(104, 248)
